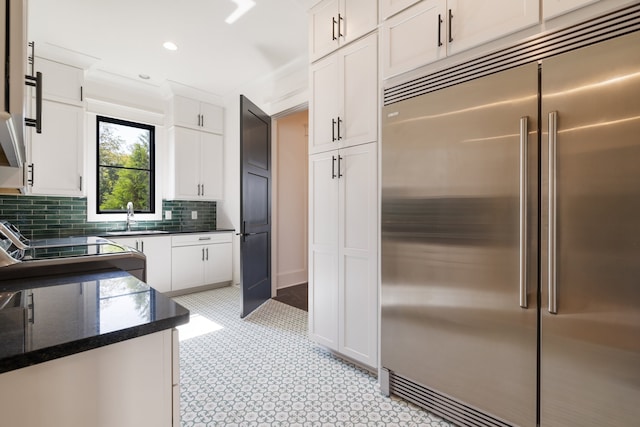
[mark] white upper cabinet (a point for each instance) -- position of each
(432, 29)
(56, 164)
(391, 7)
(334, 23)
(195, 150)
(553, 8)
(61, 82)
(197, 163)
(414, 38)
(196, 114)
(472, 22)
(344, 101)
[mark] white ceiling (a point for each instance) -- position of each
(125, 37)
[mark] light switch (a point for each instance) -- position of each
(167, 215)
(194, 214)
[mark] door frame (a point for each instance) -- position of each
(274, 186)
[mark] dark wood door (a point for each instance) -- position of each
(255, 206)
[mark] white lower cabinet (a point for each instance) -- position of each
(343, 278)
(127, 384)
(157, 249)
(200, 259)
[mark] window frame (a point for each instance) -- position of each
(152, 165)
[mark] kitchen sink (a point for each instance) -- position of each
(135, 232)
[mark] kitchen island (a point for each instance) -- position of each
(95, 349)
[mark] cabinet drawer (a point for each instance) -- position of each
(200, 239)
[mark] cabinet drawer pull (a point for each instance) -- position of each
(439, 30)
(340, 20)
(204, 238)
(450, 26)
(333, 31)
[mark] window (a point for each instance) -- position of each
(125, 171)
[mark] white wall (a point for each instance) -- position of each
(291, 193)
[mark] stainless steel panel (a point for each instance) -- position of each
(451, 244)
(590, 349)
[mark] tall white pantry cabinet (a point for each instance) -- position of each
(343, 192)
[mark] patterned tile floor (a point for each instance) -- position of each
(264, 371)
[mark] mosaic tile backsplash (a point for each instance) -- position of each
(40, 217)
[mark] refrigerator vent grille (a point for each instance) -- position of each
(605, 27)
(439, 404)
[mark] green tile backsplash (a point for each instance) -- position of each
(40, 217)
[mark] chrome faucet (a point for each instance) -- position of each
(130, 216)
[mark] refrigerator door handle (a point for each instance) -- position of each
(524, 144)
(553, 133)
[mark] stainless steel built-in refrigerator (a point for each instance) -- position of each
(511, 243)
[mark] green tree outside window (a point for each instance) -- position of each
(125, 166)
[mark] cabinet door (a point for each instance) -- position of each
(212, 164)
(323, 249)
(187, 160)
(56, 153)
(187, 267)
(62, 83)
(217, 266)
(391, 7)
(359, 18)
(358, 265)
(211, 117)
(325, 103)
(551, 8)
(414, 37)
(475, 22)
(158, 253)
(323, 29)
(359, 92)
(186, 112)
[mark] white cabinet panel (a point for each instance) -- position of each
(61, 82)
(323, 37)
(157, 250)
(344, 98)
(201, 259)
(127, 384)
(218, 263)
(343, 296)
(325, 104)
(335, 23)
(197, 160)
(187, 267)
(475, 22)
(414, 38)
(359, 92)
(433, 29)
(186, 163)
(56, 153)
(360, 17)
(196, 114)
(552, 8)
(323, 249)
(212, 175)
(391, 7)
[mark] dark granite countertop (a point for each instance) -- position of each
(164, 232)
(46, 318)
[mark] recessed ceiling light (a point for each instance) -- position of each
(170, 46)
(144, 76)
(242, 7)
